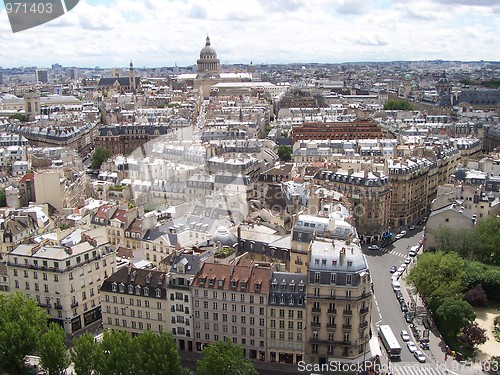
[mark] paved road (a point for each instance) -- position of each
(386, 307)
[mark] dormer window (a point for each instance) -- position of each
(158, 292)
(292, 287)
(234, 284)
(301, 288)
(122, 288)
(114, 287)
(130, 289)
(211, 282)
(138, 290)
(257, 286)
(201, 281)
(282, 300)
(146, 291)
(274, 285)
(243, 285)
(283, 287)
(349, 264)
(148, 278)
(220, 283)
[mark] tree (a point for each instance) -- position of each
(473, 335)
(285, 152)
(3, 199)
(22, 322)
(156, 354)
(100, 156)
(488, 231)
(116, 356)
(437, 276)
(52, 350)
(398, 104)
(224, 358)
(85, 354)
(454, 315)
(476, 296)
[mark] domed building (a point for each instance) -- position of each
(208, 65)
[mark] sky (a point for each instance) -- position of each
(156, 33)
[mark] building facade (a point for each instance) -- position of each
(339, 300)
(64, 276)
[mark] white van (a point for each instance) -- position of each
(396, 285)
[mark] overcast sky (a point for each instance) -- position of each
(155, 33)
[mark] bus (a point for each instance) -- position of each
(390, 342)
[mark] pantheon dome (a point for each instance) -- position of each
(208, 64)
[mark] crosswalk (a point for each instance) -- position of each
(412, 368)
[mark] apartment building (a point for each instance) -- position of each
(135, 300)
(370, 194)
(358, 129)
(64, 276)
(338, 300)
(182, 271)
(230, 302)
(286, 317)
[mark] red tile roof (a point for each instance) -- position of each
(28, 177)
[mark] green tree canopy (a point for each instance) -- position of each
(398, 104)
(3, 199)
(22, 322)
(100, 156)
(224, 358)
(453, 315)
(156, 354)
(437, 276)
(116, 355)
(85, 354)
(488, 231)
(52, 350)
(285, 152)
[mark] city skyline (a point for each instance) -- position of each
(164, 33)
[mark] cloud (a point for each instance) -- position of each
(351, 6)
(370, 41)
(197, 11)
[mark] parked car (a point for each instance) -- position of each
(407, 260)
(399, 295)
(373, 247)
(405, 336)
(412, 253)
(404, 307)
(408, 317)
(424, 345)
(419, 356)
(403, 232)
(402, 268)
(398, 236)
(412, 347)
(393, 269)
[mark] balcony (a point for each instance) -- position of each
(363, 325)
(347, 312)
(331, 311)
(44, 304)
(58, 306)
(331, 325)
(363, 310)
(343, 342)
(299, 262)
(346, 326)
(315, 324)
(316, 309)
(74, 304)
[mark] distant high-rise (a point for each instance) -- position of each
(42, 75)
(1, 75)
(73, 73)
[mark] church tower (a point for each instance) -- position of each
(131, 78)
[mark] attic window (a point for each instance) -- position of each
(211, 282)
(349, 264)
(138, 290)
(114, 287)
(243, 285)
(220, 283)
(158, 292)
(257, 286)
(130, 289)
(201, 281)
(234, 284)
(146, 291)
(122, 288)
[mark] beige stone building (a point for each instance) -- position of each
(135, 300)
(339, 301)
(230, 302)
(64, 275)
(370, 194)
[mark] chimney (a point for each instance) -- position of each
(129, 268)
(350, 171)
(239, 238)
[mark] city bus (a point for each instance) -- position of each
(390, 342)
